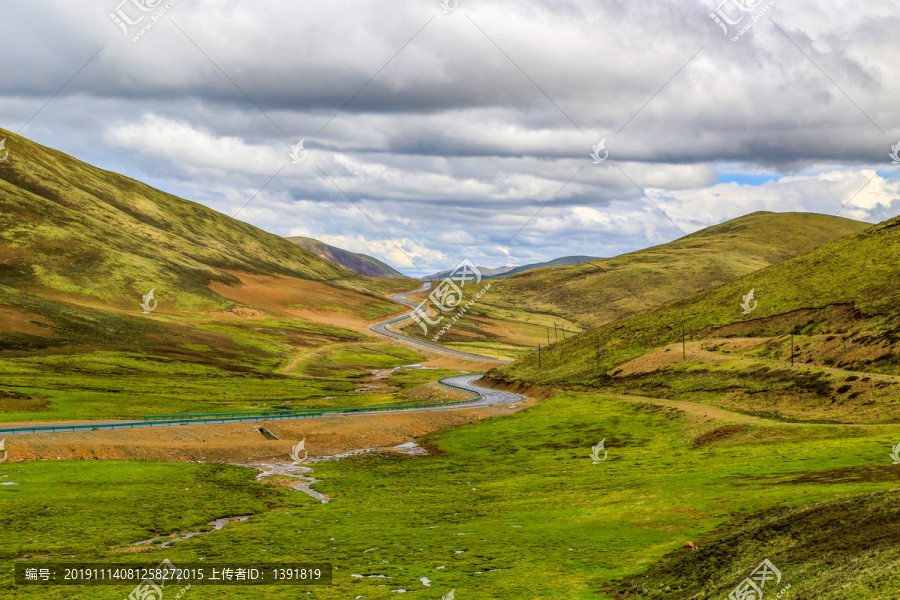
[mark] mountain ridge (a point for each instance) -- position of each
(361, 264)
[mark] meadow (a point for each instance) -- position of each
(511, 507)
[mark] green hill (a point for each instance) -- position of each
(564, 261)
(600, 291)
(361, 264)
(839, 302)
(73, 231)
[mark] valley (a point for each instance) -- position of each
(740, 382)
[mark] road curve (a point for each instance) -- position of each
(488, 397)
(382, 329)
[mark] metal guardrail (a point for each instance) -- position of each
(55, 428)
(274, 413)
(152, 420)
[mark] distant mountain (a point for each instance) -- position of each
(565, 261)
(361, 264)
(486, 272)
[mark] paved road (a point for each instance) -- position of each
(382, 329)
(489, 397)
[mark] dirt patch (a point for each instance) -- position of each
(11, 401)
(241, 442)
(281, 295)
(719, 433)
(13, 320)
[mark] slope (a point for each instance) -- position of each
(564, 261)
(69, 230)
(361, 264)
(820, 341)
(600, 291)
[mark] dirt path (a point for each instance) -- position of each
(672, 354)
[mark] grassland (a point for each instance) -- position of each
(70, 229)
(601, 291)
(506, 333)
(838, 300)
(511, 507)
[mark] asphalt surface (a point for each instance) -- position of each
(489, 397)
(382, 329)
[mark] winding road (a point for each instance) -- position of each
(488, 397)
(383, 329)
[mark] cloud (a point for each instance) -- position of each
(466, 135)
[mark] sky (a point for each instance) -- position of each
(505, 133)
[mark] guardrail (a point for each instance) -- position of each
(154, 420)
(229, 415)
(55, 428)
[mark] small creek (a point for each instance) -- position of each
(216, 526)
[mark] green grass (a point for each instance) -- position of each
(86, 507)
(514, 508)
(847, 286)
(73, 229)
(601, 291)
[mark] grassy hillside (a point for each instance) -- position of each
(361, 264)
(838, 300)
(564, 261)
(71, 230)
(603, 290)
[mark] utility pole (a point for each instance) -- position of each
(598, 351)
(683, 354)
(792, 348)
(564, 332)
(548, 335)
(539, 356)
(555, 333)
